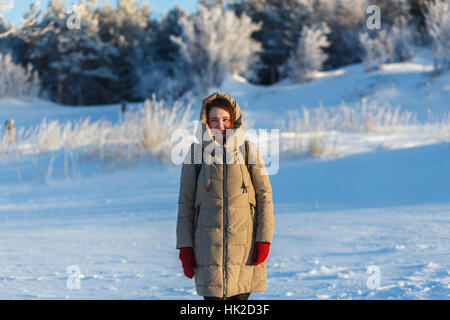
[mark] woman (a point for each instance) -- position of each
(225, 210)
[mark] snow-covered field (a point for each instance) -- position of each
(369, 221)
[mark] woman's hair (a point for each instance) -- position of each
(221, 103)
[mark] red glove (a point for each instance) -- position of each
(260, 252)
(187, 258)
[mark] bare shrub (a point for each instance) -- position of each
(16, 81)
(319, 127)
(146, 130)
(368, 116)
(444, 132)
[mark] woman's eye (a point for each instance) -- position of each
(218, 121)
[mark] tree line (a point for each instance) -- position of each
(88, 54)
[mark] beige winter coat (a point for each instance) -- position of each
(225, 212)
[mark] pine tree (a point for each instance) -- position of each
(346, 20)
(309, 55)
(392, 10)
(85, 63)
(437, 20)
(130, 30)
(161, 74)
(4, 42)
(72, 59)
(282, 22)
(169, 27)
(403, 38)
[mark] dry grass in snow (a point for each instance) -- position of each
(145, 130)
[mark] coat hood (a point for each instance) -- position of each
(238, 117)
(237, 137)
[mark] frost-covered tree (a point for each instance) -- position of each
(403, 38)
(162, 80)
(4, 43)
(6, 5)
(85, 70)
(169, 27)
(417, 11)
(70, 56)
(346, 20)
(212, 3)
(125, 26)
(162, 72)
(129, 29)
(102, 48)
(393, 43)
(29, 28)
(215, 43)
(16, 81)
(377, 49)
(40, 37)
(282, 22)
(437, 20)
(391, 10)
(309, 55)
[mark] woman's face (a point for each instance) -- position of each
(219, 119)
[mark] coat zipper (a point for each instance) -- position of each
(196, 212)
(224, 223)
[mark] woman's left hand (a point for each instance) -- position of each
(260, 252)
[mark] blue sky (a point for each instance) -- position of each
(157, 6)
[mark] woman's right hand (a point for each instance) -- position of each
(187, 258)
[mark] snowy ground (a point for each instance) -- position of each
(384, 202)
(334, 218)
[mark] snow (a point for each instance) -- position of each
(410, 85)
(382, 200)
(32, 112)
